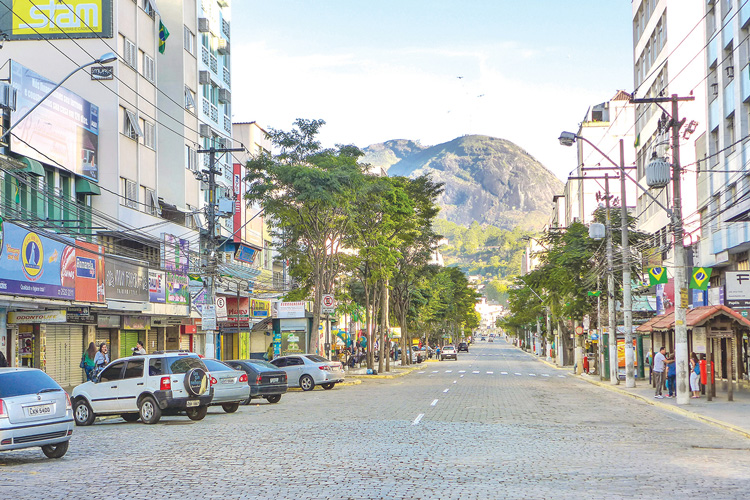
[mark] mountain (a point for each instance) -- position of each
(488, 180)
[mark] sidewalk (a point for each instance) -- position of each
(396, 371)
(728, 415)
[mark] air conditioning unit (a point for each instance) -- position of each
(225, 96)
(7, 97)
(223, 46)
(204, 130)
(204, 77)
(204, 26)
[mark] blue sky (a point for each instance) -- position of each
(431, 70)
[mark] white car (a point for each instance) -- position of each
(448, 351)
(145, 387)
(308, 370)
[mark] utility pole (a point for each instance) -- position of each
(612, 337)
(680, 282)
(627, 298)
(210, 177)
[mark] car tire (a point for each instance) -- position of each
(247, 401)
(306, 383)
(131, 417)
(328, 386)
(82, 412)
(55, 450)
(273, 399)
(197, 413)
(197, 374)
(149, 411)
(230, 407)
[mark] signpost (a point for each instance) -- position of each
(328, 306)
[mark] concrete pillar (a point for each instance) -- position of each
(114, 345)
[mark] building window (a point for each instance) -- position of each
(189, 99)
(189, 41)
(743, 264)
(149, 139)
(130, 54)
(150, 202)
(129, 193)
(191, 159)
(132, 129)
(148, 8)
(149, 69)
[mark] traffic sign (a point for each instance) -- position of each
(579, 330)
(328, 304)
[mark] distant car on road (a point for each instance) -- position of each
(308, 370)
(34, 411)
(265, 380)
(230, 385)
(448, 352)
(463, 347)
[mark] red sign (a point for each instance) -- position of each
(237, 219)
(89, 271)
(188, 329)
(244, 309)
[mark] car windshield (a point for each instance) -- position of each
(216, 366)
(18, 383)
(262, 365)
(316, 358)
(182, 364)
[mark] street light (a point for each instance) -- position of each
(105, 59)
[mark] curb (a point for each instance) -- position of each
(396, 375)
(344, 383)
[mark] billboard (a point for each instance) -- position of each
(738, 288)
(34, 265)
(175, 254)
(157, 291)
(177, 289)
(65, 127)
(89, 278)
(260, 308)
(43, 19)
(125, 280)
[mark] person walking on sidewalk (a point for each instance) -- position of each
(659, 365)
(695, 377)
(671, 376)
(87, 360)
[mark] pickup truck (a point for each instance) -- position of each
(418, 355)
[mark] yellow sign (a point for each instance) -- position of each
(52, 17)
(683, 298)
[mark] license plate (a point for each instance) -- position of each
(193, 402)
(274, 381)
(227, 381)
(35, 411)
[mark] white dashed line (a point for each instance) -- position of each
(455, 381)
(461, 376)
(561, 376)
(545, 374)
(475, 372)
(461, 371)
(434, 402)
(490, 373)
(435, 371)
(532, 374)
(448, 371)
(416, 420)
(446, 390)
(503, 373)
(518, 374)
(420, 372)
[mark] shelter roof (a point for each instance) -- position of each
(695, 317)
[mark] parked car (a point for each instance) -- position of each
(265, 380)
(34, 411)
(448, 352)
(146, 387)
(463, 346)
(229, 384)
(308, 370)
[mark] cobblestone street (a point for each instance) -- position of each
(495, 424)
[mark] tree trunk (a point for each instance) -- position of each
(368, 324)
(314, 346)
(386, 339)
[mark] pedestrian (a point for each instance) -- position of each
(269, 352)
(87, 360)
(139, 350)
(671, 376)
(101, 359)
(695, 376)
(659, 365)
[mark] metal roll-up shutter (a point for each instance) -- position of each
(185, 341)
(103, 336)
(63, 354)
(128, 338)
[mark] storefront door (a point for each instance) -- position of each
(128, 338)
(64, 347)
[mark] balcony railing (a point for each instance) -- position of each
(214, 64)
(214, 113)
(205, 56)
(225, 28)
(227, 77)
(228, 124)
(206, 107)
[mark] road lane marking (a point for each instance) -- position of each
(518, 374)
(446, 390)
(545, 374)
(420, 372)
(561, 376)
(435, 371)
(461, 371)
(434, 402)
(532, 374)
(448, 371)
(475, 372)
(461, 376)
(455, 381)
(503, 373)
(416, 420)
(490, 373)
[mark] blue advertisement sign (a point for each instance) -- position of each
(157, 291)
(34, 265)
(245, 254)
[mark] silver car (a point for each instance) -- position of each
(308, 370)
(34, 411)
(230, 385)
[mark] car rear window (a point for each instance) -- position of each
(262, 365)
(18, 383)
(316, 358)
(183, 364)
(216, 366)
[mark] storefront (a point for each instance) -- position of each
(107, 328)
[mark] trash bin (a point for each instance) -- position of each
(704, 377)
(589, 363)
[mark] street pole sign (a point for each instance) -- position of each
(328, 304)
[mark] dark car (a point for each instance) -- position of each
(265, 380)
(463, 347)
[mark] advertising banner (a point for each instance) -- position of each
(107, 321)
(245, 253)
(291, 309)
(261, 308)
(237, 216)
(175, 254)
(243, 310)
(34, 265)
(63, 130)
(89, 282)
(293, 342)
(136, 322)
(43, 19)
(157, 287)
(125, 280)
(738, 289)
(177, 289)
(22, 317)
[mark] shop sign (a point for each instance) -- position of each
(246, 254)
(238, 205)
(89, 281)
(188, 329)
(136, 322)
(221, 308)
(34, 265)
(260, 308)
(35, 20)
(107, 321)
(292, 342)
(177, 289)
(738, 289)
(157, 291)
(290, 309)
(241, 313)
(175, 254)
(22, 318)
(125, 280)
(80, 315)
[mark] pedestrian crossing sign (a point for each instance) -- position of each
(657, 275)
(700, 277)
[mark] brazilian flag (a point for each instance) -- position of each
(657, 275)
(700, 277)
(163, 35)
(595, 294)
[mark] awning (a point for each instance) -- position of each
(85, 186)
(33, 167)
(695, 317)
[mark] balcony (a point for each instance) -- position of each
(227, 77)
(205, 56)
(225, 29)
(729, 99)
(228, 125)
(214, 64)
(206, 107)
(214, 114)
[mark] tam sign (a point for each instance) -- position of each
(40, 19)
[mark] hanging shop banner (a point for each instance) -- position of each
(63, 130)
(89, 281)
(34, 265)
(177, 289)
(107, 321)
(738, 289)
(125, 280)
(22, 317)
(136, 322)
(261, 308)
(157, 287)
(237, 216)
(246, 254)
(44, 19)
(175, 254)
